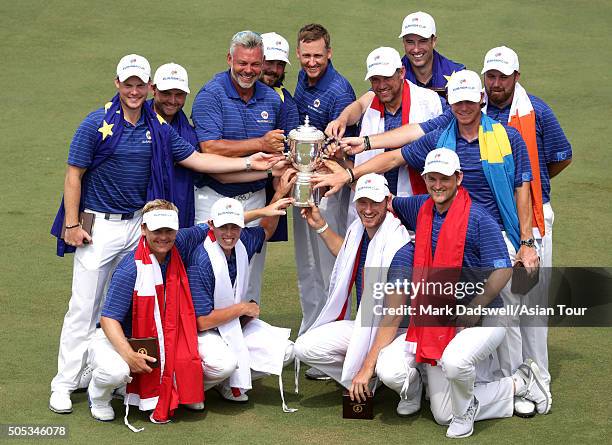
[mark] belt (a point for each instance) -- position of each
(115, 216)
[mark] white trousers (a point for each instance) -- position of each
(453, 382)
(325, 349)
(93, 264)
(205, 197)
(219, 361)
(527, 337)
(313, 259)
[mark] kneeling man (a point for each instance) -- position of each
(342, 348)
(231, 336)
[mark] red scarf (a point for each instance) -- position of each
(416, 181)
(432, 340)
(182, 380)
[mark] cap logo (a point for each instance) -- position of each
(415, 19)
(437, 156)
(279, 43)
(463, 81)
(264, 114)
(173, 72)
(377, 57)
(498, 54)
(229, 206)
(317, 103)
(133, 61)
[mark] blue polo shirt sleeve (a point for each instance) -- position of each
(118, 299)
(440, 121)
(415, 153)
(407, 209)
(493, 250)
(207, 115)
(556, 147)
(81, 151)
(253, 239)
(400, 268)
(189, 239)
(181, 149)
(522, 166)
(201, 282)
(292, 118)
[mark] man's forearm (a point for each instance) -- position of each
(238, 177)
(353, 112)
(398, 137)
(231, 148)
(114, 332)
(380, 164)
(211, 163)
(524, 210)
(72, 194)
(554, 168)
(217, 317)
(495, 283)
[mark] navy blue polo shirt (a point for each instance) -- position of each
(442, 67)
(394, 120)
(218, 112)
(118, 302)
(553, 145)
(474, 179)
(119, 184)
(202, 277)
(400, 268)
(484, 243)
(324, 101)
(292, 119)
(363, 252)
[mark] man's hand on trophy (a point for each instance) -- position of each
(352, 146)
(277, 208)
(336, 128)
(264, 161)
(280, 167)
(273, 141)
(284, 184)
(313, 216)
(336, 179)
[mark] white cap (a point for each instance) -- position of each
(442, 160)
(373, 186)
(464, 85)
(227, 211)
(171, 76)
(502, 59)
(276, 47)
(383, 61)
(419, 23)
(133, 65)
(156, 219)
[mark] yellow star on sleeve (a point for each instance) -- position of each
(161, 120)
(448, 78)
(106, 129)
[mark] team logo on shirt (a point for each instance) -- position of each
(264, 114)
(148, 135)
(317, 103)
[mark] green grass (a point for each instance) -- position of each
(58, 61)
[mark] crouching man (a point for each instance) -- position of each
(234, 344)
(149, 296)
(342, 348)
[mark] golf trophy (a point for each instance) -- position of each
(306, 145)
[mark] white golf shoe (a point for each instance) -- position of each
(463, 426)
(60, 402)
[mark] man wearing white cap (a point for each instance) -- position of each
(425, 67)
(345, 349)
(452, 231)
(393, 101)
(231, 335)
(121, 155)
(170, 89)
(549, 152)
(151, 272)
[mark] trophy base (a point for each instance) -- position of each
(303, 192)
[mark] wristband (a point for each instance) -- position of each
(270, 175)
(351, 175)
(320, 230)
(248, 163)
(366, 143)
(73, 227)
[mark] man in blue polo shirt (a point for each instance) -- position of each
(170, 89)
(425, 66)
(233, 342)
(236, 115)
(120, 156)
(321, 94)
(448, 220)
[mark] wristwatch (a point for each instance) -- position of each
(248, 164)
(528, 242)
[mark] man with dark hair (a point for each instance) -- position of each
(321, 94)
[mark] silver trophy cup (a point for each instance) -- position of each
(305, 149)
